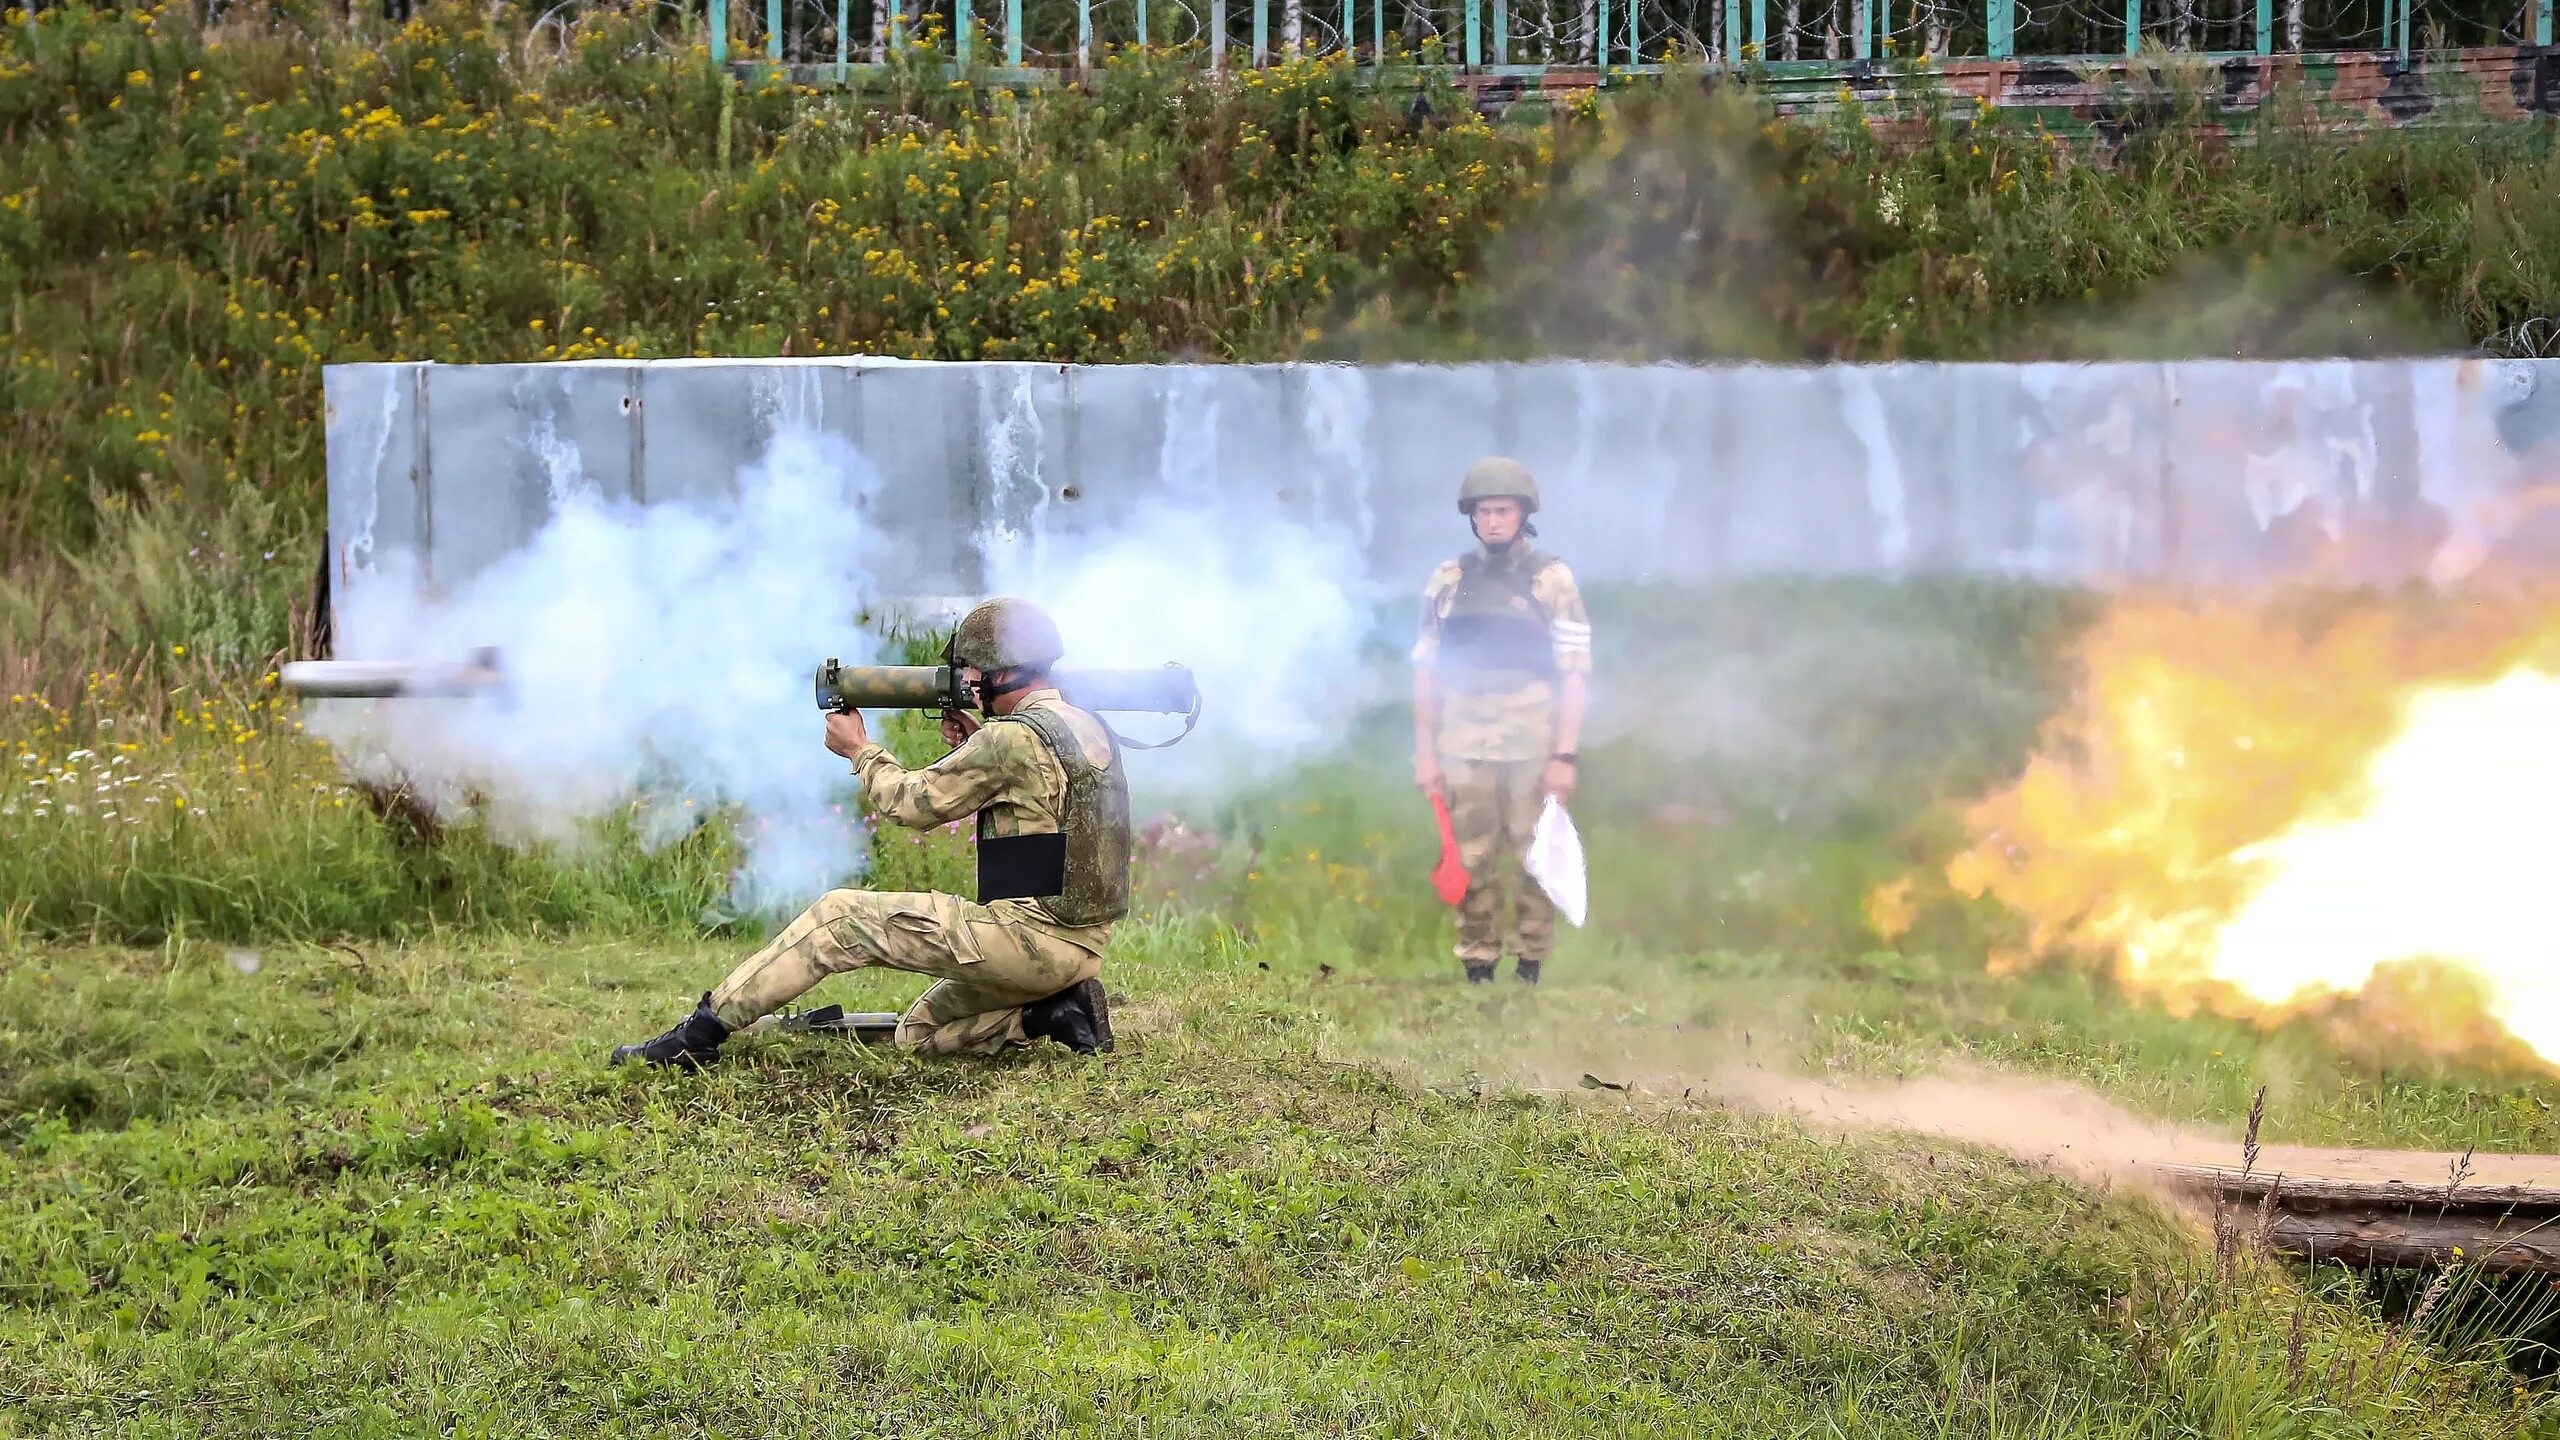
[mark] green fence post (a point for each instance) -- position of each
(1760, 29)
(1013, 34)
(1501, 32)
(773, 30)
(842, 16)
(2266, 27)
(1600, 43)
(1377, 34)
(1732, 31)
(719, 32)
(897, 28)
(1635, 55)
(1142, 24)
(1084, 34)
(2132, 28)
(1866, 29)
(1473, 50)
(2406, 6)
(1350, 30)
(1261, 32)
(2542, 22)
(960, 28)
(2001, 21)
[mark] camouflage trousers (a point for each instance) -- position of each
(989, 962)
(1493, 806)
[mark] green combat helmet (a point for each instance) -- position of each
(1497, 477)
(1005, 634)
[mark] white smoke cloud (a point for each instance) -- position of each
(1271, 615)
(661, 652)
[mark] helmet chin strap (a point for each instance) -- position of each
(994, 685)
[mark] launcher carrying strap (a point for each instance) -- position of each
(1190, 722)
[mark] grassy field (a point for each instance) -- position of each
(395, 1193)
(302, 1125)
(378, 1181)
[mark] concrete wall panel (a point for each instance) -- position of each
(2110, 475)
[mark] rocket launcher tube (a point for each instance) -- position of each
(890, 687)
(1168, 690)
(393, 679)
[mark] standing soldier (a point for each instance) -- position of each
(1500, 670)
(1017, 964)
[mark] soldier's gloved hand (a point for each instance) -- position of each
(846, 735)
(1426, 773)
(957, 728)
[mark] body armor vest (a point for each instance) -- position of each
(1494, 637)
(1080, 872)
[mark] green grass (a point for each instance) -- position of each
(377, 1181)
(393, 1194)
(1316, 1192)
(301, 1122)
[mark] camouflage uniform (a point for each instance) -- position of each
(990, 958)
(1497, 726)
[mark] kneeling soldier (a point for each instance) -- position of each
(1017, 965)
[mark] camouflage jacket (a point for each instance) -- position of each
(1514, 724)
(1005, 772)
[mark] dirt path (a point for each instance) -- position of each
(2074, 1131)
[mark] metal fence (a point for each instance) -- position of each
(1534, 36)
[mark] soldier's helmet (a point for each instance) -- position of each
(1496, 477)
(1006, 634)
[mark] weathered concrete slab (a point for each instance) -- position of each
(2207, 473)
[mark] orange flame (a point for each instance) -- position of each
(2262, 809)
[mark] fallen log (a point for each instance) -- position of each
(2392, 1224)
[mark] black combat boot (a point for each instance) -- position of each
(694, 1043)
(1078, 1017)
(1480, 974)
(1526, 971)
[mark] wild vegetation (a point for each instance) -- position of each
(194, 219)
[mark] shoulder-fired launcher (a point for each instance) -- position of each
(394, 679)
(1168, 690)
